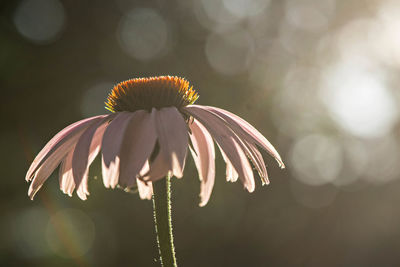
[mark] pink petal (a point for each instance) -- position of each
(258, 162)
(158, 170)
(145, 189)
(145, 169)
(138, 144)
(85, 152)
(230, 172)
(58, 140)
(228, 142)
(255, 157)
(172, 135)
(52, 161)
(111, 145)
(240, 126)
(204, 158)
(80, 159)
(160, 166)
(66, 179)
(46, 169)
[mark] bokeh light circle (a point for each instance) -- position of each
(316, 159)
(70, 233)
(39, 21)
(358, 99)
(213, 15)
(143, 33)
(28, 233)
(383, 160)
(310, 15)
(230, 53)
(246, 8)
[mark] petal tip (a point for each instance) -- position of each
(280, 162)
(28, 178)
(264, 183)
(250, 188)
(204, 198)
(82, 196)
(32, 191)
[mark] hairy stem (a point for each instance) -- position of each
(163, 221)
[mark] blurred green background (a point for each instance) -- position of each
(319, 78)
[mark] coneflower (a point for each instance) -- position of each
(146, 137)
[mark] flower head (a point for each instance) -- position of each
(154, 122)
(148, 93)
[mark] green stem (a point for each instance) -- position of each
(163, 221)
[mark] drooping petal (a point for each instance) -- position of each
(228, 142)
(230, 172)
(145, 189)
(46, 169)
(85, 152)
(66, 179)
(57, 141)
(138, 144)
(55, 156)
(255, 157)
(49, 165)
(160, 166)
(145, 169)
(259, 163)
(172, 133)
(111, 145)
(240, 126)
(204, 158)
(80, 159)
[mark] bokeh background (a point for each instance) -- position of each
(319, 78)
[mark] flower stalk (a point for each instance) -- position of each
(163, 221)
